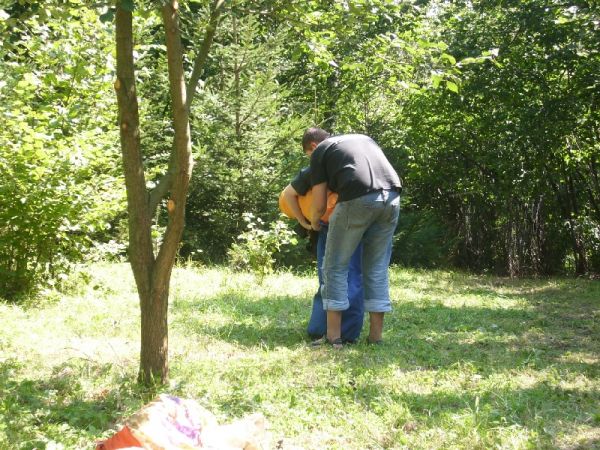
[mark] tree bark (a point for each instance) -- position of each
(153, 274)
(164, 184)
(139, 219)
(141, 257)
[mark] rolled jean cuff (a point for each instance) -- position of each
(335, 305)
(378, 305)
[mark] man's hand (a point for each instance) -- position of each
(319, 205)
(305, 224)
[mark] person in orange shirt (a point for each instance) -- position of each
(296, 202)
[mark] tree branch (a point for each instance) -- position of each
(165, 182)
(200, 62)
(181, 159)
(163, 186)
(140, 240)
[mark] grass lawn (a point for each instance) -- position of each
(469, 362)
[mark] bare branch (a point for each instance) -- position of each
(165, 182)
(163, 186)
(202, 56)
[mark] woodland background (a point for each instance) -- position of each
(487, 109)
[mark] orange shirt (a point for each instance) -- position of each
(305, 202)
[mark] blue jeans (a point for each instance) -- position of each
(371, 219)
(352, 318)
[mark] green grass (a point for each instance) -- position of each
(469, 362)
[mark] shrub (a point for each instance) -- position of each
(46, 215)
(422, 241)
(256, 247)
(59, 182)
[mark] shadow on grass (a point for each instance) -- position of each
(56, 407)
(546, 332)
(550, 411)
(546, 329)
(267, 322)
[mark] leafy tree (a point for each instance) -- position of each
(152, 272)
(246, 141)
(58, 183)
(497, 162)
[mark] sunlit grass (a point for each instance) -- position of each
(468, 362)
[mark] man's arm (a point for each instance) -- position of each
(290, 196)
(319, 205)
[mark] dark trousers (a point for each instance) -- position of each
(352, 318)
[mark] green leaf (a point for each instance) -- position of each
(469, 60)
(127, 5)
(449, 58)
(108, 16)
(31, 79)
(562, 20)
(452, 86)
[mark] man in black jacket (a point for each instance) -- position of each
(368, 188)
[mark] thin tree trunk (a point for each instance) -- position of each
(164, 183)
(154, 345)
(140, 241)
(141, 256)
(153, 275)
(578, 241)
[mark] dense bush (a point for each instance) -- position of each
(489, 113)
(50, 208)
(246, 140)
(255, 248)
(422, 241)
(508, 163)
(59, 186)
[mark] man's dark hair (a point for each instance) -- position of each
(314, 134)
